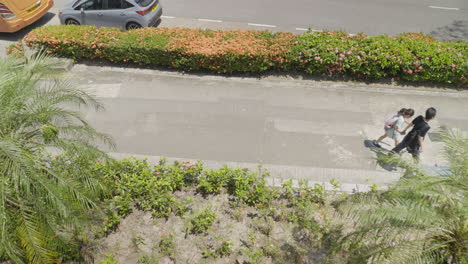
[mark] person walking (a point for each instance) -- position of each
(394, 126)
(413, 141)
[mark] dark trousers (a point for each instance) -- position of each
(411, 143)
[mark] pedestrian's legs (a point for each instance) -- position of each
(401, 146)
(381, 138)
(415, 153)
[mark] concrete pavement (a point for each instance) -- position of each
(297, 128)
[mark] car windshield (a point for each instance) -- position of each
(144, 3)
(76, 3)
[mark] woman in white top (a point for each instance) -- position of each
(394, 126)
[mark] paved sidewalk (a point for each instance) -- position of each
(297, 128)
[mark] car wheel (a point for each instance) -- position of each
(71, 21)
(133, 25)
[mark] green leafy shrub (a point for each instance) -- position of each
(409, 57)
(136, 183)
(145, 259)
(167, 245)
(202, 222)
(250, 187)
(135, 180)
(185, 49)
(110, 259)
(223, 250)
(214, 181)
(247, 186)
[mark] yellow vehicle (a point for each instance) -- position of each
(17, 14)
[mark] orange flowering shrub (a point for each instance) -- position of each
(409, 56)
(15, 49)
(186, 49)
(231, 51)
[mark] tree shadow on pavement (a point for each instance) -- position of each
(458, 30)
(13, 37)
(380, 152)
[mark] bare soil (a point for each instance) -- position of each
(255, 238)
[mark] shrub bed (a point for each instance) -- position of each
(410, 57)
(181, 212)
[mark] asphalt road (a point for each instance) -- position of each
(353, 16)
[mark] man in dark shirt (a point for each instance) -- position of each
(414, 139)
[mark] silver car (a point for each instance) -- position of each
(126, 14)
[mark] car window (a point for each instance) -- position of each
(127, 5)
(118, 4)
(91, 5)
(144, 3)
(76, 3)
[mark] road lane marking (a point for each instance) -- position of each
(317, 30)
(302, 29)
(167, 17)
(209, 20)
(445, 8)
(261, 25)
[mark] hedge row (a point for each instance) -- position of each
(411, 57)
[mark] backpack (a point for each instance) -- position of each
(390, 122)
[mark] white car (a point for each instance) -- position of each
(126, 14)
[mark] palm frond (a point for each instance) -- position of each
(420, 219)
(39, 112)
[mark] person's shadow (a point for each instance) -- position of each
(381, 153)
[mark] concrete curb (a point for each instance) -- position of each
(285, 80)
(350, 180)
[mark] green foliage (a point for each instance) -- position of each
(255, 256)
(250, 187)
(264, 225)
(110, 259)
(136, 183)
(185, 49)
(202, 222)
(167, 245)
(43, 200)
(409, 57)
(223, 250)
(288, 191)
(137, 240)
(214, 181)
(145, 259)
(422, 219)
(272, 250)
(246, 185)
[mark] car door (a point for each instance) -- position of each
(91, 12)
(115, 13)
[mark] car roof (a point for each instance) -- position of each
(74, 3)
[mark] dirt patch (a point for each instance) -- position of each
(239, 234)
